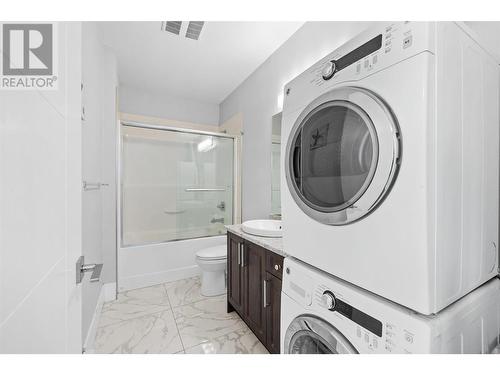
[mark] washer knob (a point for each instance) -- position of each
(328, 70)
(328, 298)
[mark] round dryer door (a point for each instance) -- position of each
(342, 155)
(308, 334)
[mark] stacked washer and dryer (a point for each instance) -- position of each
(390, 196)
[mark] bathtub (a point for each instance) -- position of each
(145, 265)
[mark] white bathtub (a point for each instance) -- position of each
(146, 265)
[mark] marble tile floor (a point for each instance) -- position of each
(173, 318)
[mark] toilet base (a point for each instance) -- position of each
(213, 283)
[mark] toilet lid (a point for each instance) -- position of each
(215, 252)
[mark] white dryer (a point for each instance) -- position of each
(390, 158)
(321, 314)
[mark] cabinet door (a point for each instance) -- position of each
(234, 273)
(254, 266)
(273, 312)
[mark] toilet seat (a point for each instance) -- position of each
(212, 253)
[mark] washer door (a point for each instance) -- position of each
(342, 155)
(308, 334)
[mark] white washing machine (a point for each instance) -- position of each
(321, 314)
(390, 158)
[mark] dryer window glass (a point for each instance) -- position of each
(334, 156)
(342, 155)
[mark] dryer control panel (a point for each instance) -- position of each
(376, 50)
(371, 51)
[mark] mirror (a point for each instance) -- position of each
(275, 166)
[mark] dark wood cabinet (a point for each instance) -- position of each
(234, 274)
(254, 274)
(273, 303)
(254, 288)
(274, 264)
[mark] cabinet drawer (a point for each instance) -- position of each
(274, 264)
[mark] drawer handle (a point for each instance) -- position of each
(277, 267)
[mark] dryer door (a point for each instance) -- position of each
(308, 334)
(342, 155)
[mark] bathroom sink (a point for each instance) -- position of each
(263, 228)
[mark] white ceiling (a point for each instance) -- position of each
(208, 69)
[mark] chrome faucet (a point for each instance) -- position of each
(222, 206)
(220, 220)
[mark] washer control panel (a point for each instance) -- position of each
(374, 334)
(339, 305)
(371, 323)
(328, 299)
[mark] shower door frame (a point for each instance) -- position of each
(135, 124)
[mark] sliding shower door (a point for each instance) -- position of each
(175, 185)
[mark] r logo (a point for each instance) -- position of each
(27, 49)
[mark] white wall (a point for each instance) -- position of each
(99, 79)
(40, 210)
(157, 104)
(257, 100)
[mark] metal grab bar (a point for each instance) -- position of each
(205, 189)
(92, 185)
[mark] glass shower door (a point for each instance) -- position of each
(175, 185)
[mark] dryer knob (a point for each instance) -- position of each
(328, 70)
(328, 299)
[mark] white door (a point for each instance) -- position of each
(40, 209)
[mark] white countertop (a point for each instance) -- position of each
(274, 244)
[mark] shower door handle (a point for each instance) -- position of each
(204, 189)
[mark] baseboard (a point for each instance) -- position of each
(88, 346)
(149, 279)
(109, 292)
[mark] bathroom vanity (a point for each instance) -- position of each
(254, 273)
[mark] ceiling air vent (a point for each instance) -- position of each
(194, 29)
(173, 27)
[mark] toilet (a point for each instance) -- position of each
(212, 261)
